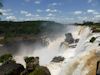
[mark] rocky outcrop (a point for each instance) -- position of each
(92, 39)
(33, 67)
(58, 59)
(69, 41)
(69, 38)
(11, 68)
(76, 40)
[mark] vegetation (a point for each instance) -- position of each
(95, 26)
(38, 71)
(88, 23)
(10, 30)
(28, 59)
(5, 58)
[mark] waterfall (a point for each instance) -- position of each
(78, 60)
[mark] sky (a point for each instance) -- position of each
(63, 11)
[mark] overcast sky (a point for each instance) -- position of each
(64, 11)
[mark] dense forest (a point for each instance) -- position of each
(9, 28)
(28, 29)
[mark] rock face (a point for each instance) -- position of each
(76, 40)
(98, 68)
(92, 39)
(58, 59)
(33, 67)
(69, 38)
(11, 68)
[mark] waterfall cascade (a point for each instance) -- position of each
(80, 60)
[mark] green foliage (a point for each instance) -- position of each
(28, 59)
(38, 71)
(10, 29)
(5, 57)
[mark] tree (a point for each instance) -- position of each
(1, 5)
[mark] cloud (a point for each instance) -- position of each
(11, 18)
(51, 10)
(27, 0)
(54, 4)
(92, 11)
(97, 16)
(29, 14)
(50, 15)
(37, 2)
(6, 12)
(39, 10)
(90, 1)
(23, 12)
(26, 13)
(78, 12)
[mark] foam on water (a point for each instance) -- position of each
(76, 58)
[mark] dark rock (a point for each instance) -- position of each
(40, 70)
(58, 59)
(99, 44)
(92, 39)
(98, 68)
(31, 64)
(72, 46)
(69, 38)
(76, 40)
(11, 68)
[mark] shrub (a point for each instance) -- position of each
(5, 58)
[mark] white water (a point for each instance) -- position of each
(72, 64)
(76, 58)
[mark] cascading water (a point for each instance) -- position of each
(76, 59)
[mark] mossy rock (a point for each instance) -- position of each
(40, 70)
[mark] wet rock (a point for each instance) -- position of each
(76, 40)
(33, 67)
(64, 45)
(92, 39)
(99, 44)
(98, 68)
(11, 68)
(72, 46)
(40, 70)
(31, 63)
(69, 38)
(58, 59)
